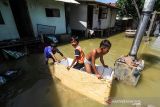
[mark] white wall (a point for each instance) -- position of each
(38, 15)
(9, 29)
(95, 18)
(78, 17)
(113, 16)
(105, 23)
(111, 19)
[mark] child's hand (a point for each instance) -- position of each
(99, 76)
(68, 67)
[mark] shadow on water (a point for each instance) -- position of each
(34, 88)
(150, 60)
(114, 88)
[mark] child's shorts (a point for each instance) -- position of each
(78, 66)
(86, 61)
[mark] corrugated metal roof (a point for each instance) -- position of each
(107, 1)
(102, 1)
(69, 1)
(111, 5)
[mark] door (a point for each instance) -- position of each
(90, 17)
(22, 19)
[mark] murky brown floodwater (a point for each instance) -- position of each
(36, 87)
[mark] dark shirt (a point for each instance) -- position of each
(77, 52)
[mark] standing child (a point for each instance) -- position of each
(50, 51)
(79, 55)
(90, 58)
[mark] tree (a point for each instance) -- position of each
(137, 9)
(127, 7)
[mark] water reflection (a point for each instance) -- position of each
(33, 88)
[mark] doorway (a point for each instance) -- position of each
(22, 19)
(90, 17)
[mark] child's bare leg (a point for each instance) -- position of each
(88, 68)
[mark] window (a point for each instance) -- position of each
(1, 19)
(52, 12)
(102, 13)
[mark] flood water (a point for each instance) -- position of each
(37, 88)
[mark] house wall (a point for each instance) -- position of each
(9, 29)
(78, 17)
(113, 17)
(38, 15)
(95, 18)
(104, 23)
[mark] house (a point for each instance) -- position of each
(39, 16)
(49, 13)
(92, 15)
(26, 19)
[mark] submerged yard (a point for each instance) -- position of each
(36, 87)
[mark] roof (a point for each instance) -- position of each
(69, 1)
(111, 5)
(107, 1)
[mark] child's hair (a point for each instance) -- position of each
(105, 44)
(74, 38)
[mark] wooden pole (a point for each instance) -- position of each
(151, 25)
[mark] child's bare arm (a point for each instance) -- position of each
(61, 53)
(74, 60)
(102, 61)
(93, 62)
(53, 56)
